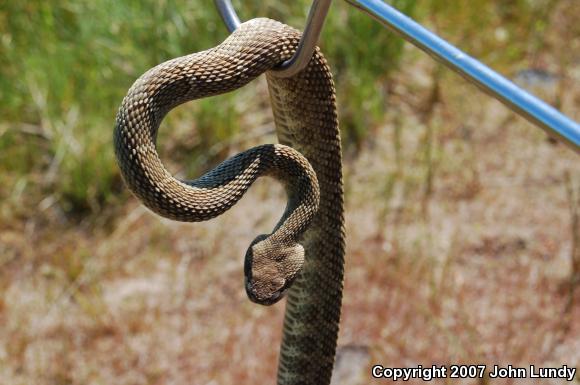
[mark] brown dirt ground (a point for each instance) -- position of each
(473, 270)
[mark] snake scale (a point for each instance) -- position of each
(304, 254)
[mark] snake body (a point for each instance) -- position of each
(304, 254)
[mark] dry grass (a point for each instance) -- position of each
(475, 273)
(460, 250)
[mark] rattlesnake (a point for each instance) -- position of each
(305, 252)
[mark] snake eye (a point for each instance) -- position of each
(270, 269)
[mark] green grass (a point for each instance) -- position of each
(452, 203)
(65, 66)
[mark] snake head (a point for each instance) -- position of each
(270, 269)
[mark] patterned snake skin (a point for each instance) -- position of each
(305, 252)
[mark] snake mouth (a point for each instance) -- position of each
(260, 299)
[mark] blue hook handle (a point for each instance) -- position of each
(521, 102)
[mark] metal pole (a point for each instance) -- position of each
(307, 43)
(228, 14)
(523, 103)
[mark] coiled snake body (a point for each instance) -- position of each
(305, 252)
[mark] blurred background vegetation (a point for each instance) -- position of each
(462, 219)
(65, 66)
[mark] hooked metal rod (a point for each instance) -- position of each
(523, 103)
(307, 43)
(228, 14)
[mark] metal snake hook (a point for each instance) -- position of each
(301, 57)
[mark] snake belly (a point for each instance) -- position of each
(304, 255)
